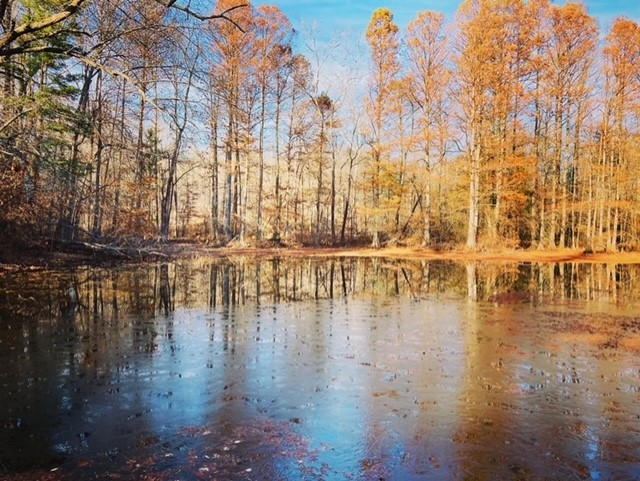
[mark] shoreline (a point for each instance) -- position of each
(34, 259)
(458, 255)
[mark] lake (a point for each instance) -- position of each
(339, 369)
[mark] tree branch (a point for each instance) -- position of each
(3, 9)
(27, 28)
(72, 7)
(37, 49)
(223, 15)
(14, 118)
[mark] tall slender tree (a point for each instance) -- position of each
(429, 79)
(383, 39)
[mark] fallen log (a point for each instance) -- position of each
(108, 250)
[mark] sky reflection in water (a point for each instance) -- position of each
(322, 370)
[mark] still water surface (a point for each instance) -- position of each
(340, 369)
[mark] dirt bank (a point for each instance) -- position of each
(39, 257)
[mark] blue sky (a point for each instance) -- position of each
(354, 15)
(347, 20)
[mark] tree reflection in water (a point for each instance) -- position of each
(333, 369)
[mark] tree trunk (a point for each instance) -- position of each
(261, 160)
(96, 229)
(474, 191)
(426, 197)
(215, 172)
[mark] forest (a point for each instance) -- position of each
(514, 124)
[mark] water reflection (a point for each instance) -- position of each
(337, 369)
(148, 292)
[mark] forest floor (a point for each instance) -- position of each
(42, 258)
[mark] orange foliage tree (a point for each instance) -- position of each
(616, 183)
(382, 36)
(429, 78)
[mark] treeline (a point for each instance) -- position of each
(513, 125)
